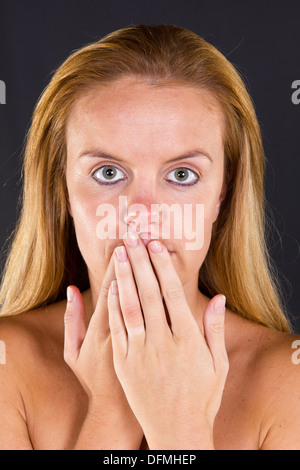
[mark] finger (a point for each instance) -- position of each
(116, 323)
(128, 297)
(99, 320)
(214, 329)
(74, 327)
(148, 288)
(179, 311)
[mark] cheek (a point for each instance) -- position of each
(85, 228)
(198, 223)
(91, 228)
(83, 207)
(197, 236)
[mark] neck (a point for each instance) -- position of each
(197, 302)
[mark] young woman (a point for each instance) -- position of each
(144, 353)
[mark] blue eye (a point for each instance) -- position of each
(183, 177)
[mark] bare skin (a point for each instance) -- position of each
(67, 383)
(43, 405)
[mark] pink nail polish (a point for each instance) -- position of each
(114, 287)
(121, 253)
(69, 294)
(131, 239)
(155, 247)
(220, 303)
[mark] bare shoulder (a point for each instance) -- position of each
(26, 340)
(280, 367)
(26, 332)
(272, 366)
(29, 339)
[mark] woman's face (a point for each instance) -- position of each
(131, 142)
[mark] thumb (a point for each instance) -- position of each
(75, 329)
(214, 328)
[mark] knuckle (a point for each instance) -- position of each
(161, 350)
(150, 297)
(217, 328)
(116, 330)
(104, 291)
(68, 318)
(130, 311)
(186, 337)
(173, 293)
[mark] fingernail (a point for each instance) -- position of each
(70, 294)
(131, 239)
(121, 253)
(155, 247)
(114, 287)
(220, 303)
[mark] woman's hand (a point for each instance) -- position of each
(88, 352)
(173, 377)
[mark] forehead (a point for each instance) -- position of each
(130, 114)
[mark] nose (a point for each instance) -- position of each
(143, 218)
(141, 211)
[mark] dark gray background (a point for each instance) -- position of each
(261, 38)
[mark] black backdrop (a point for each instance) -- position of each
(261, 38)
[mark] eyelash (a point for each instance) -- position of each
(115, 182)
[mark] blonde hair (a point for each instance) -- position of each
(44, 257)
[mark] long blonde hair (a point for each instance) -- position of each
(44, 257)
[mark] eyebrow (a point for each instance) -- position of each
(97, 153)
